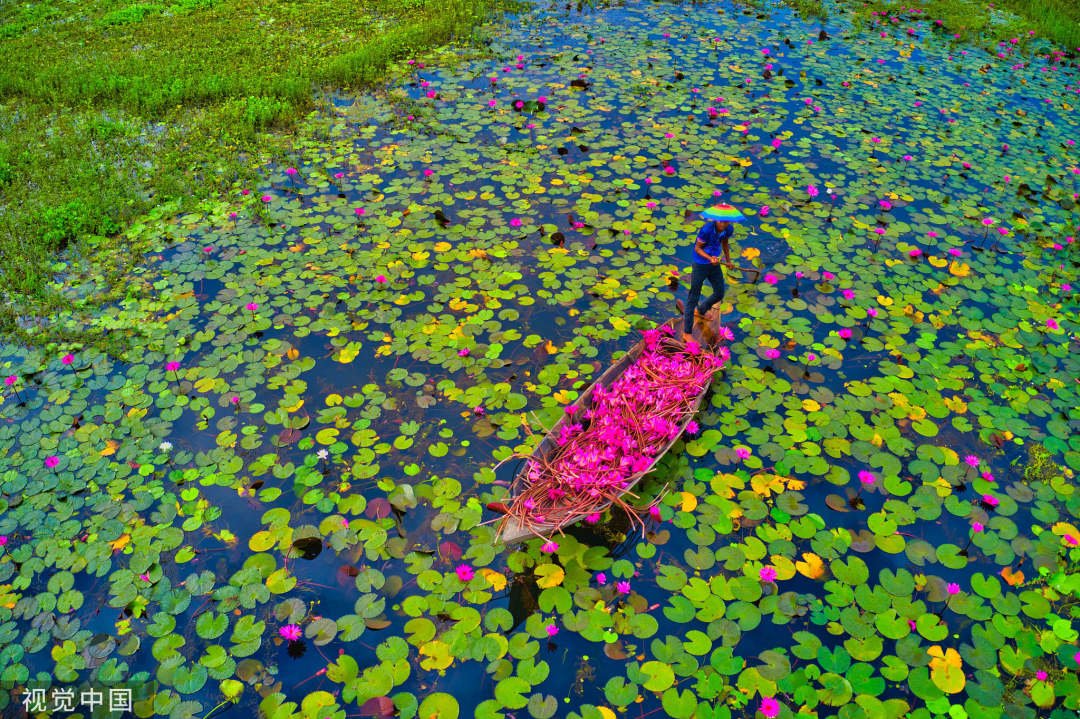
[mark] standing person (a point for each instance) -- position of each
(712, 239)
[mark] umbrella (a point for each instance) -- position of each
(724, 213)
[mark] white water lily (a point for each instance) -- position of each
(323, 454)
(165, 446)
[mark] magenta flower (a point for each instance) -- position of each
(769, 707)
(972, 460)
(828, 276)
(492, 103)
(845, 333)
(866, 477)
(880, 231)
(742, 452)
(977, 527)
(68, 358)
(767, 573)
(622, 587)
(232, 216)
(290, 632)
(549, 547)
(848, 294)
(551, 630)
(885, 205)
(542, 99)
(464, 572)
(872, 311)
(478, 410)
(812, 191)
(3, 540)
(515, 222)
(592, 518)
(10, 380)
(252, 306)
(952, 588)
(764, 211)
(290, 171)
(463, 352)
(145, 577)
(1041, 675)
(1071, 540)
(654, 512)
(771, 279)
(990, 500)
(207, 250)
(359, 211)
(381, 279)
(1052, 323)
(916, 252)
(931, 234)
(267, 198)
(172, 366)
(988, 221)
(234, 399)
(339, 175)
(51, 461)
(601, 578)
(692, 427)
(428, 172)
(955, 251)
(772, 353)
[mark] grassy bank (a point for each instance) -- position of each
(988, 22)
(111, 107)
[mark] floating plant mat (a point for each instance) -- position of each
(276, 495)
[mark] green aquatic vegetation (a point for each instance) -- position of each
(275, 488)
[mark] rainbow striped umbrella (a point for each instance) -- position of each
(724, 213)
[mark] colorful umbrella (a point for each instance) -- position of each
(724, 213)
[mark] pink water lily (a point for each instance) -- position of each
(622, 587)
(464, 572)
(67, 359)
(52, 461)
(551, 630)
(290, 632)
(769, 707)
(549, 547)
(767, 573)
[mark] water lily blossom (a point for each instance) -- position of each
(622, 587)
(464, 572)
(290, 632)
(549, 547)
(769, 707)
(767, 573)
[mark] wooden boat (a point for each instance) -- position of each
(511, 529)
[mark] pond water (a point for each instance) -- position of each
(363, 345)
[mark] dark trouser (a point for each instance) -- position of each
(715, 275)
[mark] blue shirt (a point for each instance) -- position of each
(711, 237)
